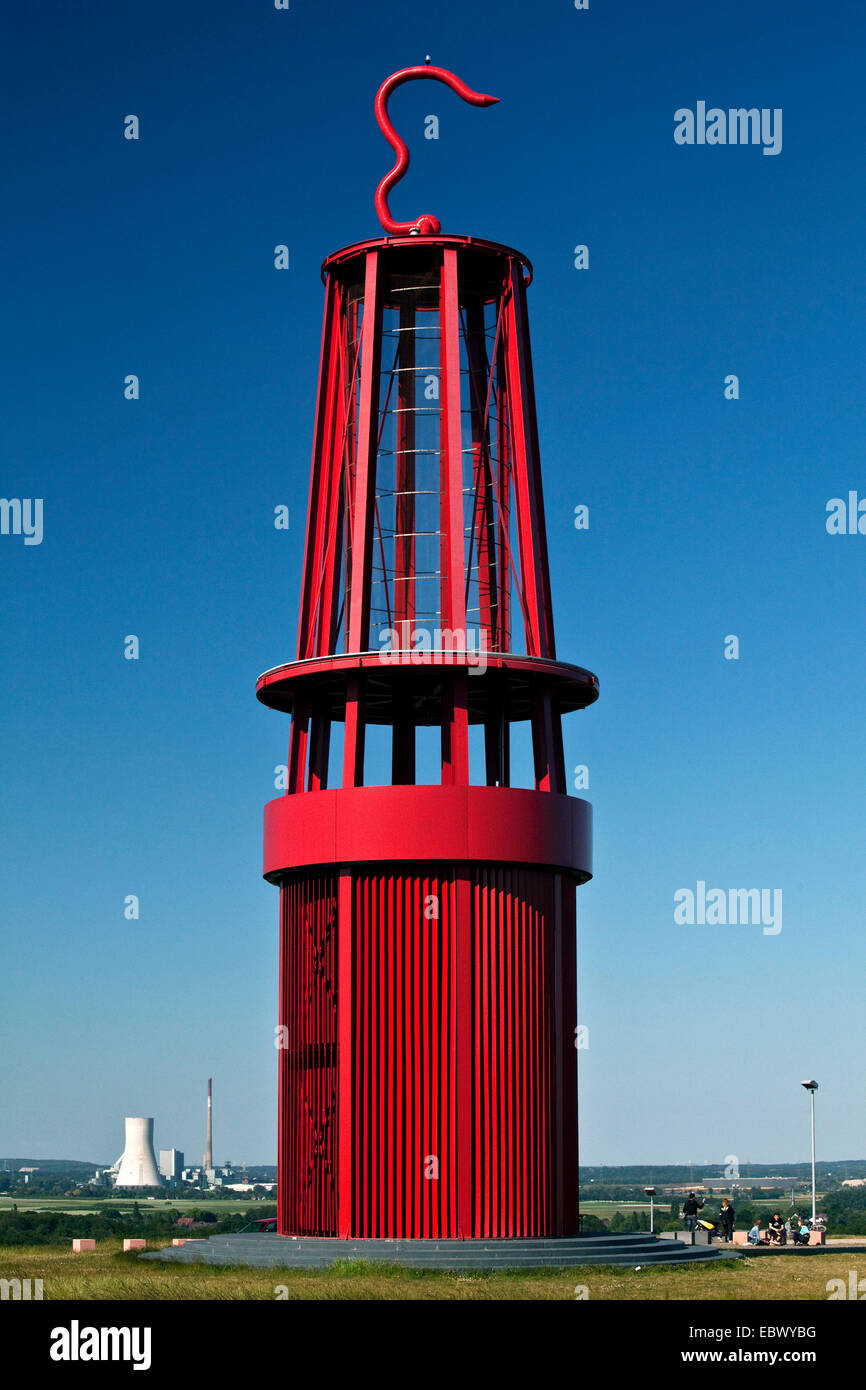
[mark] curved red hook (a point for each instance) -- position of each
(426, 224)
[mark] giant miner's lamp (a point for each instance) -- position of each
(427, 1085)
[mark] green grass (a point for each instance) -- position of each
(110, 1274)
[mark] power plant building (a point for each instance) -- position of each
(171, 1164)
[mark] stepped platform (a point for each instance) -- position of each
(312, 1252)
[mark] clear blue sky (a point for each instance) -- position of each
(707, 518)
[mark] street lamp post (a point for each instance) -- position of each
(651, 1192)
(811, 1087)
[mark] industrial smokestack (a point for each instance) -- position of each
(137, 1167)
(208, 1152)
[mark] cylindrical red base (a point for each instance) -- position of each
(428, 1072)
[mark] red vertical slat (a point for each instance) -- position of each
(478, 1090)
(400, 1148)
(434, 1074)
(420, 1045)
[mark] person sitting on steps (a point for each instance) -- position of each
(776, 1230)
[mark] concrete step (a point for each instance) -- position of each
(308, 1252)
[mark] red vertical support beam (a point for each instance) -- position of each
(352, 360)
(453, 607)
(298, 736)
(358, 588)
(319, 477)
(403, 749)
(380, 916)
(477, 1097)
(426, 1071)
(482, 511)
(404, 541)
(404, 1065)
(353, 739)
(535, 1134)
(503, 492)
(323, 541)
(508, 1060)
(455, 722)
(398, 928)
(559, 1118)
(462, 1061)
(547, 743)
(438, 1077)
(500, 937)
(455, 730)
(343, 387)
(346, 1128)
(489, 957)
(532, 537)
(283, 1183)
(527, 1023)
(562, 1113)
(320, 743)
(485, 524)
(329, 602)
(293, 1019)
(416, 1060)
(568, 971)
(365, 462)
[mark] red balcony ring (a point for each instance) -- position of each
(373, 825)
(511, 678)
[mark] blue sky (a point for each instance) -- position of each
(707, 518)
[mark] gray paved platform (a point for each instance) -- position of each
(309, 1252)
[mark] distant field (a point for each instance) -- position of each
(109, 1274)
(84, 1206)
(664, 1220)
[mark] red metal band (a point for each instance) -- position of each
(504, 825)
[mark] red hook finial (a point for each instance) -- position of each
(426, 224)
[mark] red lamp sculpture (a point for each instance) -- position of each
(427, 1001)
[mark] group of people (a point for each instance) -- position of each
(723, 1226)
(796, 1229)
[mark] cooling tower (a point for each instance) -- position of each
(138, 1161)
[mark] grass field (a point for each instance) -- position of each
(110, 1274)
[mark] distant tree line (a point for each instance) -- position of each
(60, 1227)
(679, 1174)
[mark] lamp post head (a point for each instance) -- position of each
(650, 1191)
(810, 1085)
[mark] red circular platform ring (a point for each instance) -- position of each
(363, 825)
